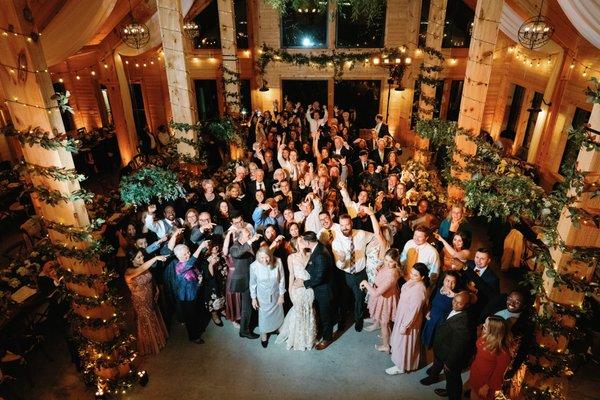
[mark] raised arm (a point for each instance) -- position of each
(133, 272)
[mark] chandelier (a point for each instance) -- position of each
(535, 31)
(135, 34)
(191, 30)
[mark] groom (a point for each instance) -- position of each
(320, 267)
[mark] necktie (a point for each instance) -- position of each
(478, 271)
(259, 186)
(329, 236)
(352, 256)
(364, 165)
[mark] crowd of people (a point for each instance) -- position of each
(315, 233)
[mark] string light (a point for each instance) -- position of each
(585, 71)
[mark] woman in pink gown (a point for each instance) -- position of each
(151, 331)
(383, 297)
(406, 336)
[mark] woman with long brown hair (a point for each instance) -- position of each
(492, 358)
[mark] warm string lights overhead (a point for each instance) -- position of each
(10, 32)
(547, 60)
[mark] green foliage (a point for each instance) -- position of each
(56, 173)
(441, 133)
(593, 93)
(63, 101)
(148, 184)
(53, 197)
(223, 130)
(37, 136)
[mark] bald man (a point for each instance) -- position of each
(453, 345)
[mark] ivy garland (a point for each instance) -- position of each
(56, 173)
(37, 136)
(72, 232)
(593, 93)
(86, 279)
(148, 184)
(53, 197)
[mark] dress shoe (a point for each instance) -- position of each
(264, 343)
(323, 344)
(358, 325)
(429, 370)
(198, 341)
(441, 392)
(430, 380)
(249, 335)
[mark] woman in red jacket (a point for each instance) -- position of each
(492, 358)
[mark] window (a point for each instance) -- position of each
(456, 88)
(245, 100)
(106, 104)
(66, 116)
(137, 104)
(210, 33)
(424, 22)
(572, 147)
(458, 26)
(362, 96)
(206, 99)
(534, 111)
(305, 27)
(512, 112)
(241, 23)
(357, 32)
(439, 93)
(305, 92)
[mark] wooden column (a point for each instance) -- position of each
(477, 78)
(123, 112)
(36, 89)
(180, 92)
(230, 59)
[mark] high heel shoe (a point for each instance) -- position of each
(264, 343)
(383, 349)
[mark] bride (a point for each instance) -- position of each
(299, 329)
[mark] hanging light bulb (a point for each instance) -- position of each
(134, 34)
(191, 30)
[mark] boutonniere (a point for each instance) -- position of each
(310, 263)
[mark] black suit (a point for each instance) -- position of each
(488, 288)
(243, 256)
(377, 158)
(251, 188)
(383, 130)
(453, 346)
(320, 266)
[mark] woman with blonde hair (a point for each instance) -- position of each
(267, 287)
(383, 297)
(456, 221)
(492, 358)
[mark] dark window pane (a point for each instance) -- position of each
(210, 34)
(424, 22)
(137, 104)
(456, 89)
(305, 27)
(439, 92)
(66, 116)
(511, 118)
(362, 96)
(241, 23)
(305, 92)
(245, 95)
(357, 32)
(206, 99)
(571, 151)
(459, 24)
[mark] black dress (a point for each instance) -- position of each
(214, 285)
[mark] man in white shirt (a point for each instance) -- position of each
(354, 251)
(164, 226)
(309, 212)
(313, 118)
(426, 253)
(329, 231)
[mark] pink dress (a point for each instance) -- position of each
(406, 335)
(151, 331)
(383, 299)
(233, 301)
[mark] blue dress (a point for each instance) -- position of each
(441, 305)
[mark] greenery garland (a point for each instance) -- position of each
(56, 173)
(37, 136)
(86, 279)
(53, 197)
(148, 184)
(593, 93)
(73, 232)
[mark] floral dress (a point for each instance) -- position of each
(214, 285)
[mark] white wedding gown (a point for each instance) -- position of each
(299, 330)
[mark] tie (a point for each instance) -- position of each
(329, 236)
(364, 165)
(478, 271)
(352, 256)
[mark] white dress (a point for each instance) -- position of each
(299, 329)
(266, 285)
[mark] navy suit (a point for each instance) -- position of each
(320, 266)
